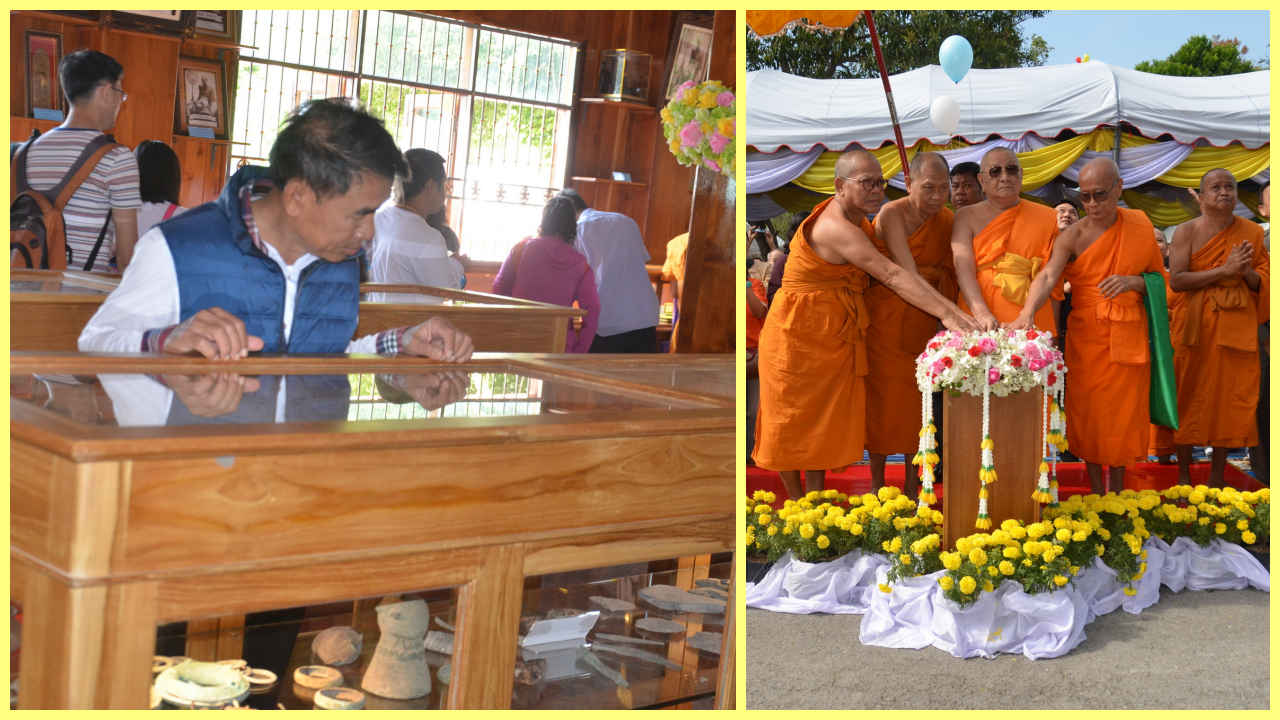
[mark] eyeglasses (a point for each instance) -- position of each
(1098, 196)
(867, 184)
(123, 95)
(1013, 170)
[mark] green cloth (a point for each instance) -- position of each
(1164, 386)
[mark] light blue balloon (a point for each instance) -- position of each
(956, 57)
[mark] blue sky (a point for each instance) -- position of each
(1126, 37)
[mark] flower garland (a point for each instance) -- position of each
(699, 124)
(1000, 362)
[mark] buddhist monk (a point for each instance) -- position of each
(1103, 256)
(915, 233)
(1000, 245)
(1222, 277)
(812, 354)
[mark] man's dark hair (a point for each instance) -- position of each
(329, 143)
(794, 227)
(572, 195)
(1068, 200)
(967, 168)
(82, 71)
(559, 219)
(159, 172)
(423, 165)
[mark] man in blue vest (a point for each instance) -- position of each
(272, 265)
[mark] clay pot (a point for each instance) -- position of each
(399, 667)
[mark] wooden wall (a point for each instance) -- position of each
(150, 78)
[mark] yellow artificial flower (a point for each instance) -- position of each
(824, 542)
(968, 585)
(666, 117)
(707, 100)
(726, 127)
(946, 582)
(690, 96)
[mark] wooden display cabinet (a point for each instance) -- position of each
(49, 308)
(137, 499)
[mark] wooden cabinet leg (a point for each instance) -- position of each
(488, 622)
(727, 688)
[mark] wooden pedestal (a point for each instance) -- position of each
(1015, 429)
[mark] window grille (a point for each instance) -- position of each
(488, 395)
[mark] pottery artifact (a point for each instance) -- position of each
(670, 597)
(708, 642)
(204, 685)
(710, 592)
(441, 642)
(337, 698)
(562, 613)
(337, 645)
(316, 677)
(399, 667)
(660, 626)
(712, 583)
(613, 604)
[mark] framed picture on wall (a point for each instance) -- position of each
(202, 98)
(169, 22)
(214, 24)
(42, 51)
(689, 54)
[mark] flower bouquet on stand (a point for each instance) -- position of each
(699, 124)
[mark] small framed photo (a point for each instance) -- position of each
(689, 57)
(168, 22)
(202, 98)
(214, 24)
(42, 51)
(621, 176)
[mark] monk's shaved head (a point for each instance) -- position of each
(854, 161)
(930, 160)
(1206, 177)
(1100, 170)
(999, 156)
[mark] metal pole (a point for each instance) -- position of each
(888, 93)
(1115, 150)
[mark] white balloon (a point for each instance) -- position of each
(945, 114)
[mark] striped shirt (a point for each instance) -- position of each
(112, 184)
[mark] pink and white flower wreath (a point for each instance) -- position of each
(999, 362)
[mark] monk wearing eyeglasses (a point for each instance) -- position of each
(813, 353)
(1000, 246)
(1103, 256)
(1221, 275)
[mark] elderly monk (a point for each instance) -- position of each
(915, 233)
(1103, 256)
(812, 354)
(1000, 244)
(1222, 277)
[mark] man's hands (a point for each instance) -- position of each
(956, 320)
(1117, 284)
(1024, 321)
(1240, 260)
(985, 320)
(435, 390)
(438, 339)
(211, 395)
(213, 333)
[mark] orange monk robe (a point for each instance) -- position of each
(1215, 346)
(812, 363)
(1009, 252)
(899, 332)
(1108, 358)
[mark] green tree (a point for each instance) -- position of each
(909, 39)
(1201, 56)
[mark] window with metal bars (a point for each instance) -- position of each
(495, 103)
(488, 395)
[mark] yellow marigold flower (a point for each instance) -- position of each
(1242, 525)
(806, 531)
(1196, 497)
(1037, 530)
(1052, 553)
(1064, 534)
(887, 493)
(1130, 591)
(899, 523)
(1061, 522)
(765, 519)
(1248, 537)
(824, 542)
(1059, 580)
(951, 561)
(968, 585)
(1080, 536)
(822, 525)
(993, 571)
(763, 509)
(1006, 567)
(785, 531)
(1018, 532)
(1219, 528)
(964, 545)
(1012, 552)
(1204, 521)
(937, 517)
(885, 588)
(904, 559)
(855, 529)
(978, 556)
(1101, 549)
(1027, 562)
(987, 586)
(895, 545)
(946, 582)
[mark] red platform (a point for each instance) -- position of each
(1072, 479)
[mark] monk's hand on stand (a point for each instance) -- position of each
(438, 339)
(986, 321)
(211, 395)
(960, 322)
(1240, 259)
(1117, 284)
(215, 334)
(1022, 322)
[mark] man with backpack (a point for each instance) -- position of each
(81, 172)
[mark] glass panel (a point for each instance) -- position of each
(659, 668)
(54, 286)
(379, 647)
(713, 377)
(119, 400)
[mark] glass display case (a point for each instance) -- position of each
(711, 376)
(151, 491)
(49, 308)
(624, 75)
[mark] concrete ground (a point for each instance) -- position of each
(1193, 650)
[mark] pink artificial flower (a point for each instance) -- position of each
(690, 135)
(717, 141)
(711, 164)
(993, 376)
(988, 345)
(687, 85)
(724, 99)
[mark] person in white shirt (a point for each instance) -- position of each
(628, 305)
(159, 184)
(406, 249)
(272, 265)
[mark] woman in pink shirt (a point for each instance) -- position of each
(547, 269)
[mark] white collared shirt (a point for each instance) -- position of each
(615, 250)
(408, 251)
